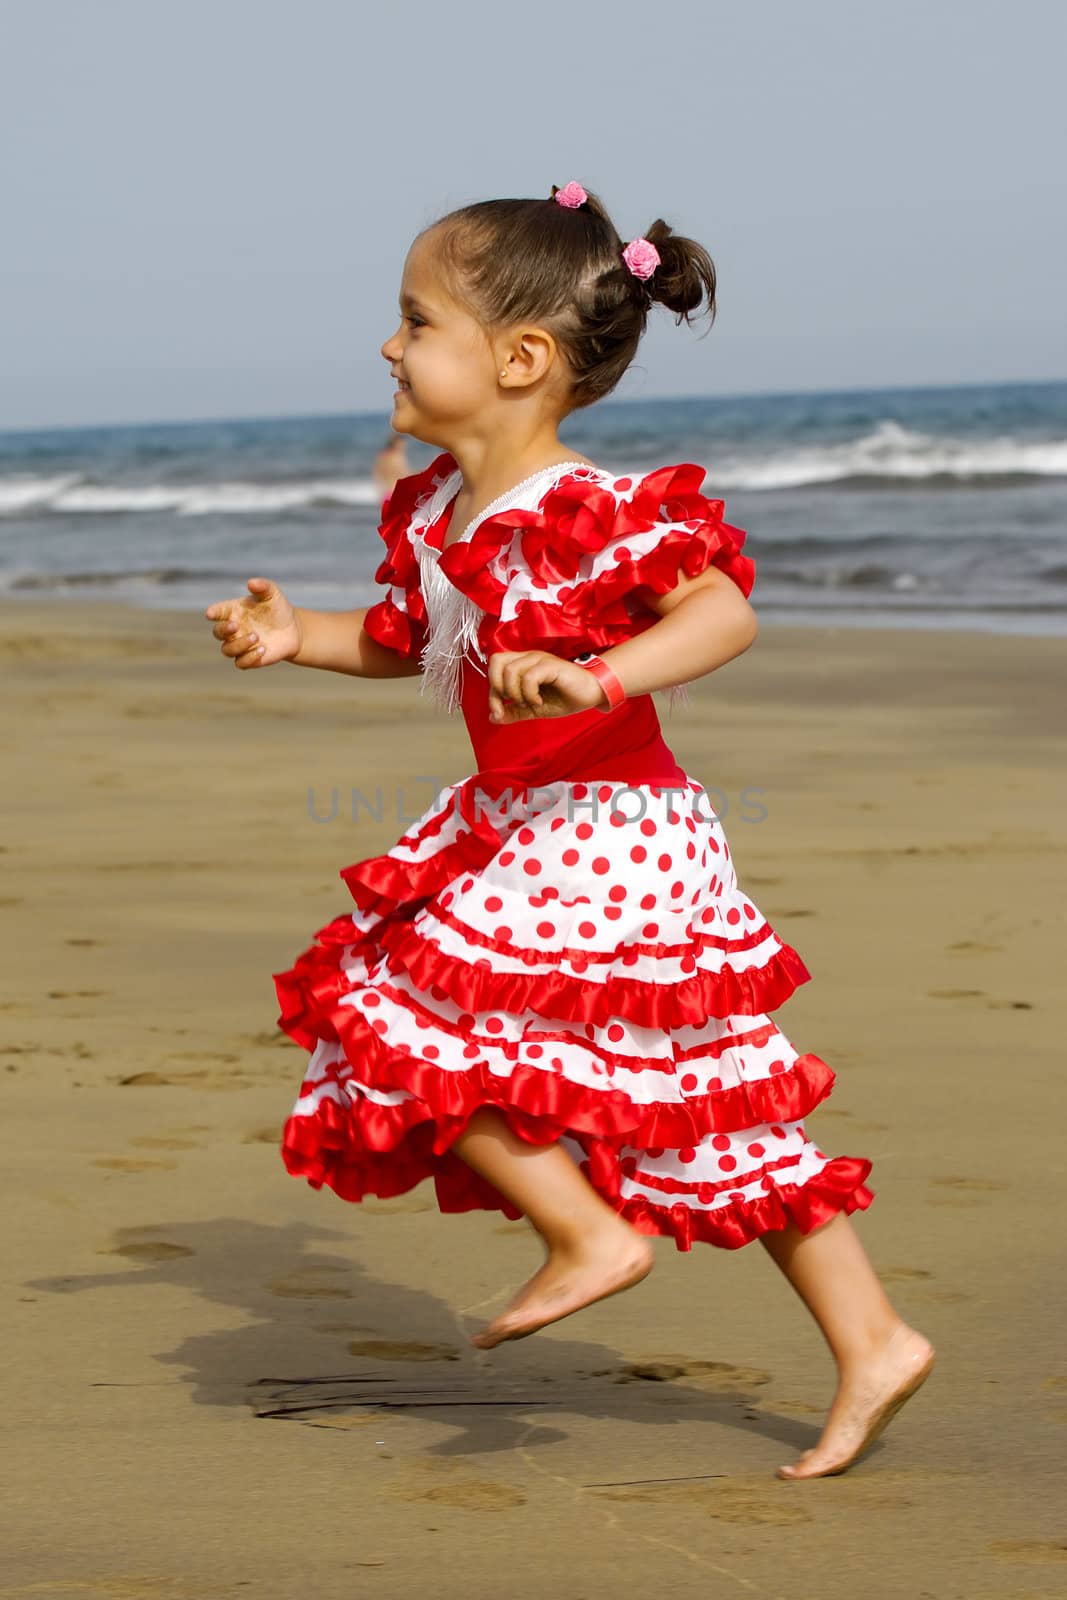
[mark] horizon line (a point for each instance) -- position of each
(608, 402)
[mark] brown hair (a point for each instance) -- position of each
(535, 260)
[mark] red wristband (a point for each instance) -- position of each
(602, 672)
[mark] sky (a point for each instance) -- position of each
(207, 205)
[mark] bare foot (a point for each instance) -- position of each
(570, 1279)
(867, 1398)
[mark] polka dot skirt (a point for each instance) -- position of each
(587, 963)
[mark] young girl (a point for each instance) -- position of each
(552, 995)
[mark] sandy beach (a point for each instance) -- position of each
(220, 1382)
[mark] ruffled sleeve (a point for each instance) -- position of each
(577, 572)
(399, 620)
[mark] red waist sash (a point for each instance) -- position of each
(626, 744)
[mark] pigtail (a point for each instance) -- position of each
(685, 277)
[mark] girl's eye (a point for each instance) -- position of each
(416, 322)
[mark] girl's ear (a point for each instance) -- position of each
(527, 355)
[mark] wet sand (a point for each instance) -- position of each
(219, 1382)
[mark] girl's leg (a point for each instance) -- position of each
(881, 1361)
(591, 1251)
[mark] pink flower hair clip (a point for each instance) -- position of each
(572, 195)
(641, 257)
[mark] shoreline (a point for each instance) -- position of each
(948, 623)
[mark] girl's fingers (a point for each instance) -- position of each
(530, 681)
(240, 643)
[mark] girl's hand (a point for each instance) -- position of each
(532, 683)
(257, 629)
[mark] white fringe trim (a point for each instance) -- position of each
(453, 620)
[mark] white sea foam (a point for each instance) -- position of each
(67, 494)
(20, 492)
(889, 452)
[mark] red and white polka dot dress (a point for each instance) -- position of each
(561, 935)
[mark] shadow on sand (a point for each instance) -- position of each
(324, 1341)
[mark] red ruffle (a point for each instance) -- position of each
(395, 629)
(838, 1187)
(354, 1173)
(557, 994)
(400, 564)
(403, 630)
(686, 1002)
(540, 1104)
(384, 882)
(578, 519)
(322, 1151)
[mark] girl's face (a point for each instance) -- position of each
(444, 365)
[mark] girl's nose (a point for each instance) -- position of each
(389, 348)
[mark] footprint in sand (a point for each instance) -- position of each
(339, 1327)
(955, 994)
(477, 1494)
(128, 1164)
(164, 1141)
(975, 945)
(423, 1481)
(150, 1250)
(1032, 1550)
(513, 1227)
(263, 1136)
(305, 1285)
(224, 1057)
(962, 1191)
(386, 1206)
(84, 942)
(1059, 1384)
(204, 1079)
(150, 1079)
(402, 1350)
(726, 1502)
(76, 994)
(902, 1274)
(980, 1185)
(716, 1375)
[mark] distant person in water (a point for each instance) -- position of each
(390, 464)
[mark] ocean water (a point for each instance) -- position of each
(909, 508)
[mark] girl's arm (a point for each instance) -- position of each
(337, 642)
(705, 622)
